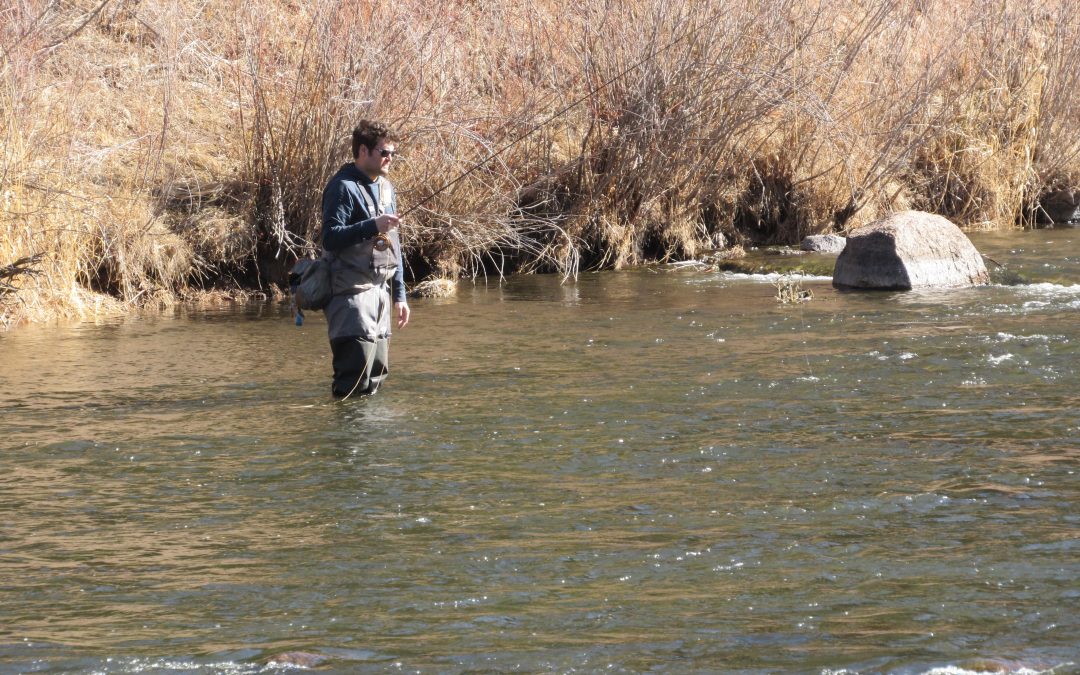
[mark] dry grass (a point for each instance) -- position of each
(153, 148)
(789, 290)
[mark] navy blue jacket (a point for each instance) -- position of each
(346, 220)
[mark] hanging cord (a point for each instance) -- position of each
(365, 371)
(370, 361)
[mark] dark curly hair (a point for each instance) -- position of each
(368, 133)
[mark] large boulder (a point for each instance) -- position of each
(1059, 207)
(906, 250)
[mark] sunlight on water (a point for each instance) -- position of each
(643, 470)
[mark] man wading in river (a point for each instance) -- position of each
(360, 236)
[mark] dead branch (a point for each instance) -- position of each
(22, 267)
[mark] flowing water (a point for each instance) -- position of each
(651, 470)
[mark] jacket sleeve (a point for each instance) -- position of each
(399, 276)
(398, 282)
(338, 210)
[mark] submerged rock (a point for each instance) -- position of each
(823, 243)
(906, 250)
(300, 659)
(775, 261)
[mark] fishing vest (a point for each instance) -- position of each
(372, 262)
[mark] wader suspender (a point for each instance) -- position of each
(369, 201)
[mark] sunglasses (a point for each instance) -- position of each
(387, 153)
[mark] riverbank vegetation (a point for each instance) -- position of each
(155, 148)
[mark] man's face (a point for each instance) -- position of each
(376, 162)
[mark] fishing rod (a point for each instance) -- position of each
(559, 113)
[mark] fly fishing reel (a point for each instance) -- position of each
(382, 243)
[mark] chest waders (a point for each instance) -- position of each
(380, 258)
(375, 353)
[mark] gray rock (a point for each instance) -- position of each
(906, 250)
(1060, 206)
(823, 243)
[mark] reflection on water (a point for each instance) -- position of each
(641, 470)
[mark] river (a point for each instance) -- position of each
(650, 470)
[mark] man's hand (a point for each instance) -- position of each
(402, 311)
(386, 222)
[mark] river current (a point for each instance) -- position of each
(662, 469)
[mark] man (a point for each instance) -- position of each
(360, 237)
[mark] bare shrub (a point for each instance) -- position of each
(1056, 152)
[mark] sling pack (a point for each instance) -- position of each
(310, 283)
